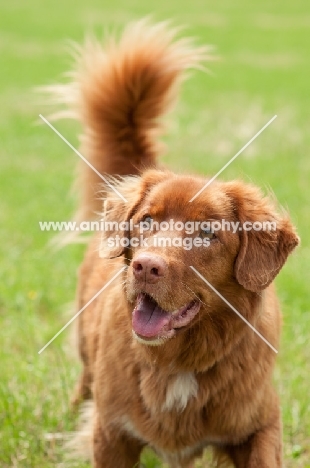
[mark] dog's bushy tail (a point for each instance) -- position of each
(120, 92)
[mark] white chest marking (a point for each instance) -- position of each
(127, 426)
(179, 392)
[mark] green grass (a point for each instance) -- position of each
(264, 70)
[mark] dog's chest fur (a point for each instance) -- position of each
(174, 424)
(161, 392)
(180, 391)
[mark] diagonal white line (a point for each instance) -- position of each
(84, 159)
(83, 308)
(233, 158)
(235, 310)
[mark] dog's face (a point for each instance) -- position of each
(169, 234)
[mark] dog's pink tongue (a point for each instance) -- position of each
(148, 318)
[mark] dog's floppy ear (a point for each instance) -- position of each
(118, 207)
(117, 212)
(263, 251)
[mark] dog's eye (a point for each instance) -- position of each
(147, 219)
(207, 234)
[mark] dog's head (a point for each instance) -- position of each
(230, 234)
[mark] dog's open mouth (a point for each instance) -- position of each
(150, 322)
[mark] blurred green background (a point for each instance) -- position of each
(264, 70)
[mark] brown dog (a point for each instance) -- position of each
(167, 362)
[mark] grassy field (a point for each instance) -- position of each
(264, 70)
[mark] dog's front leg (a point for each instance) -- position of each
(262, 450)
(114, 450)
